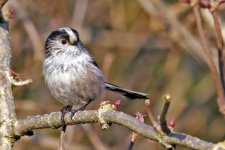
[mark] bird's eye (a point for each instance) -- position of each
(63, 42)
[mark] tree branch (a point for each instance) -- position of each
(162, 116)
(7, 111)
(52, 120)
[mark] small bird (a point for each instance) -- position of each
(72, 74)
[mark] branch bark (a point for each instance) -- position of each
(52, 120)
(7, 111)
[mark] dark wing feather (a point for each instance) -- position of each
(93, 62)
(125, 92)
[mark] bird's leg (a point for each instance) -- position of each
(79, 109)
(64, 110)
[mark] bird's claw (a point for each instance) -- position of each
(73, 113)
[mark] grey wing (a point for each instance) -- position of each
(125, 92)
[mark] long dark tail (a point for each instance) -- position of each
(125, 92)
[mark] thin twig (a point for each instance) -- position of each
(155, 124)
(20, 82)
(217, 24)
(203, 41)
(61, 140)
(162, 116)
(135, 135)
(130, 146)
(15, 79)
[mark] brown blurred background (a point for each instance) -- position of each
(148, 46)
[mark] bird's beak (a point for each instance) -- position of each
(72, 37)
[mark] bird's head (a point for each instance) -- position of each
(63, 40)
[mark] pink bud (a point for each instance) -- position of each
(116, 104)
(11, 12)
(140, 116)
(172, 123)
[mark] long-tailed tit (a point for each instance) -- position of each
(72, 74)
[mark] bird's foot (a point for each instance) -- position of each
(76, 110)
(64, 110)
(79, 109)
(73, 113)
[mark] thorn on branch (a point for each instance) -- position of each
(15, 79)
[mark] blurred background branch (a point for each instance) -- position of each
(2, 3)
(218, 80)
